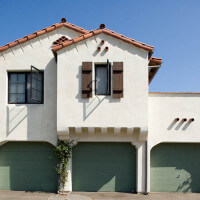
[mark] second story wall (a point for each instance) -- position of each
(31, 122)
(100, 110)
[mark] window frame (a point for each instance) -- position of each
(26, 89)
(108, 78)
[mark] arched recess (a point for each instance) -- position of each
(175, 167)
(104, 166)
(28, 166)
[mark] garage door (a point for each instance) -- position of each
(175, 168)
(104, 167)
(27, 166)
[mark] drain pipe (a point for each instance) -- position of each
(146, 168)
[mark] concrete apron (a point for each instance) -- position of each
(130, 196)
(20, 195)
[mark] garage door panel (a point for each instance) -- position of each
(104, 167)
(27, 166)
(175, 168)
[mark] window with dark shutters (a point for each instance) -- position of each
(117, 79)
(86, 79)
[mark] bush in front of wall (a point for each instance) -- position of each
(63, 154)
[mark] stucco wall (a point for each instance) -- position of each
(28, 121)
(102, 111)
(162, 111)
(164, 108)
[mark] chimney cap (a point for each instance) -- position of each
(63, 20)
(102, 26)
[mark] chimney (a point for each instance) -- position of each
(63, 20)
(102, 26)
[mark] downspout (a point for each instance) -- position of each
(146, 168)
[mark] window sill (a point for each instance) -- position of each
(102, 94)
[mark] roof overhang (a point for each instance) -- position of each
(42, 32)
(152, 72)
(154, 66)
(107, 32)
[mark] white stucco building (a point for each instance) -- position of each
(66, 83)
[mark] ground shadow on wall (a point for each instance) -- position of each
(107, 167)
(175, 168)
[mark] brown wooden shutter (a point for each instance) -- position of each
(86, 79)
(117, 79)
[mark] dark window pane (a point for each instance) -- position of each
(21, 78)
(101, 80)
(21, 88)
(17, 88)
(34, 94)
(13, 78)
(20, 98)
(13, 88)
(16, 98)
(12, 98)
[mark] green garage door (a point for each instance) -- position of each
(104, 167)
(175, 168)
(27, 166)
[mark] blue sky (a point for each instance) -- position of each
(171, 26)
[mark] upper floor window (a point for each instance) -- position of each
(102, 79)
(25, 87)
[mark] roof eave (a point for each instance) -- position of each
(105, 31)
(153, 71)
(42, 32)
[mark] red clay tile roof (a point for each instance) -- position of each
(41, 32)
(155, 61)
(106, 31)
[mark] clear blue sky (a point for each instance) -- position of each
(171, 26)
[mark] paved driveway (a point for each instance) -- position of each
(126, 196)
(11, 195)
